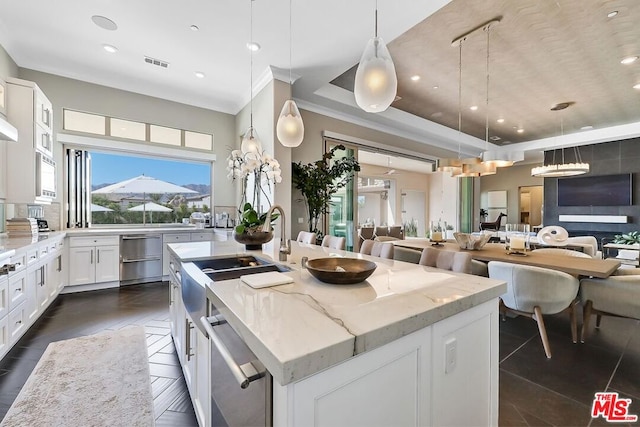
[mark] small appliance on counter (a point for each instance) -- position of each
(43, 225)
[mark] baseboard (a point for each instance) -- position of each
(90, 287)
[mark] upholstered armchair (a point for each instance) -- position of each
(306, 237)
(617, 295)
(534, 291)
(562, 252)
(447, 260)
(334, 242)
(379, 249)
(589, 243)
(406, 255)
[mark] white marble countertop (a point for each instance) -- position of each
(301, 328)
(18, 243)
(100, 231)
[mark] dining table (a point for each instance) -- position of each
(576, 266)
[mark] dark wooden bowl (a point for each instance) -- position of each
(330, 270)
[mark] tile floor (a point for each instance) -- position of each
(534, 390)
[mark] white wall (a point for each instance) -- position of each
(443, 198)
(8, 68)
(509, 179)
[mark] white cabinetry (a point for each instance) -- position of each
(29, 110)
(3, 97)
(171, 238)
(444, 374)
(4, 318)
(94, 260)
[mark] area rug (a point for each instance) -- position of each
(97, 380)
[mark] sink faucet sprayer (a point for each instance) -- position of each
(285, 245)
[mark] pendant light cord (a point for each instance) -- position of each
(290, 48)
(251, 70)
(376, 19)
(486, 134)
(459, 98)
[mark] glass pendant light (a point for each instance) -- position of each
(290, 129)
(376, 82)
(250, 141)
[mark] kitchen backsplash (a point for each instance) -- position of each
(51, 213)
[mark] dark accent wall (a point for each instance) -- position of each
(604, 159)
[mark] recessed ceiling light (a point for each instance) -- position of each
(436, 87)
(253, 46)
(194, 28)
(636, 86)
(612, 14)
(415, 78)
(109, 48)
(104, 23)
(629, 60)
(437, 114)
(586, 127)
(473, 107)
(520, 131)
(200, 74)
(500, 120)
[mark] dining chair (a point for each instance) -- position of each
(617, 295)
(535, 291)
(493, 225)
(381, 231)
(334, 242)
(306, 237)
(379, 249)
(447, 260)
(395, 231)
(589, 243)
(366, 233)
(406, 255)
(561, 252)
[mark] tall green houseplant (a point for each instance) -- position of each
(320, 180)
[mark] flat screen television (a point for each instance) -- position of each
(604, 190)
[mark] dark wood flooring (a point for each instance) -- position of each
(86, 313)
(534, 390)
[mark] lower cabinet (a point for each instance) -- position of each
(94, 260)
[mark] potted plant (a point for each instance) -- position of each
(320, 180)
(631, 238)
(264, 171)
(448, 230)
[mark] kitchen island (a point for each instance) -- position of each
(412, 345)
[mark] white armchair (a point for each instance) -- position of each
(534, 291)
(306, 237)
(617, 295)
(379, 249)
(589, 243)
(334, 242)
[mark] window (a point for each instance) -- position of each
(97, 124)
(148, 189)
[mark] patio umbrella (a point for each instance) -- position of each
(98, 208)
(142, 185)
(150, 207)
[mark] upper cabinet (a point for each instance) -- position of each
(3, 98)
(32, 113)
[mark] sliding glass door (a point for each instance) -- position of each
(341, 218)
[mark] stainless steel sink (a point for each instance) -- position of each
(234, 267)
(193, 284)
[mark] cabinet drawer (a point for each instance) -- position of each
(32, 256)
(4, 298)
(19, 260)
(43, 251)
(77, 242)
(53, 246)
(176, 237)
(201, 237)
(17, 288)
(17, 323)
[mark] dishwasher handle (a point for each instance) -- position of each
(152, 258)
(244, 374)
(152, 236)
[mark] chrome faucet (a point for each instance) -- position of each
(285, 244)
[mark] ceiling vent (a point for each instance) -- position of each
(157, 62)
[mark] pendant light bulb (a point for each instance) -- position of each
(376, 82)
(251, 142)
(290, 129)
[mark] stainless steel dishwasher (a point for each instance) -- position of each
(140, 258)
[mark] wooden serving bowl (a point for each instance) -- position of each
(341, 271)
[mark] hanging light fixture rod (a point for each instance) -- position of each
(482, 27)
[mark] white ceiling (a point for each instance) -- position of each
(59, 37)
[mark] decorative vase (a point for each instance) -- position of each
(253, 239)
